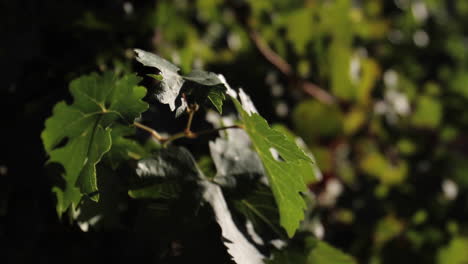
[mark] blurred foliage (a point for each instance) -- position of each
(391, 145)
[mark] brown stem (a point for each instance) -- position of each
(270, 55)
(185, 134)
(191, 113)
(149, 130)
(197, 134)
(315, 91)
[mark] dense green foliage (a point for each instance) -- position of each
(103, 104)
(375, 89)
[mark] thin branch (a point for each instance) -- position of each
(149, 130)
(317, 92)
(270, 55)
(197, 134)
(184, 134)
(284, 67)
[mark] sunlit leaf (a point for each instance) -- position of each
(84, 129)
(284, 170)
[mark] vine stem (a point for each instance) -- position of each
(166, 140)
(153, 132)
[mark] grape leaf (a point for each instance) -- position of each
(171, 80)
(216, 97)
(168, 163)
(83, 128)
(208, 84)
(203, 77)
(123, 148)
(284, 163)
(260, 208)
(162, 175)
(234, 162)
(241, 250)
(172, 165)
(311, 171)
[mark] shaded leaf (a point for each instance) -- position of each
(162, 175)
(260, 208)
(234, 162)
(203, 77)
(208, 84)
(171, 81)
(123, 148)
(241, 250)
(172, 162)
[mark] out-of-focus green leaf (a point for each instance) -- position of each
(455, 252)
(300, 28)
(428, 113)
(370, 76)
(378, 166)
(326, 254)
(354, 120)
(339, 54)
(308, 114)
(387, 229)
(311, 251)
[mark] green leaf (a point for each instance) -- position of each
(124, 148)
(310, 171)
(157, 77)
(171, 81)
(84, 129)
(107, 213)
(216, 97)
(284, 172)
